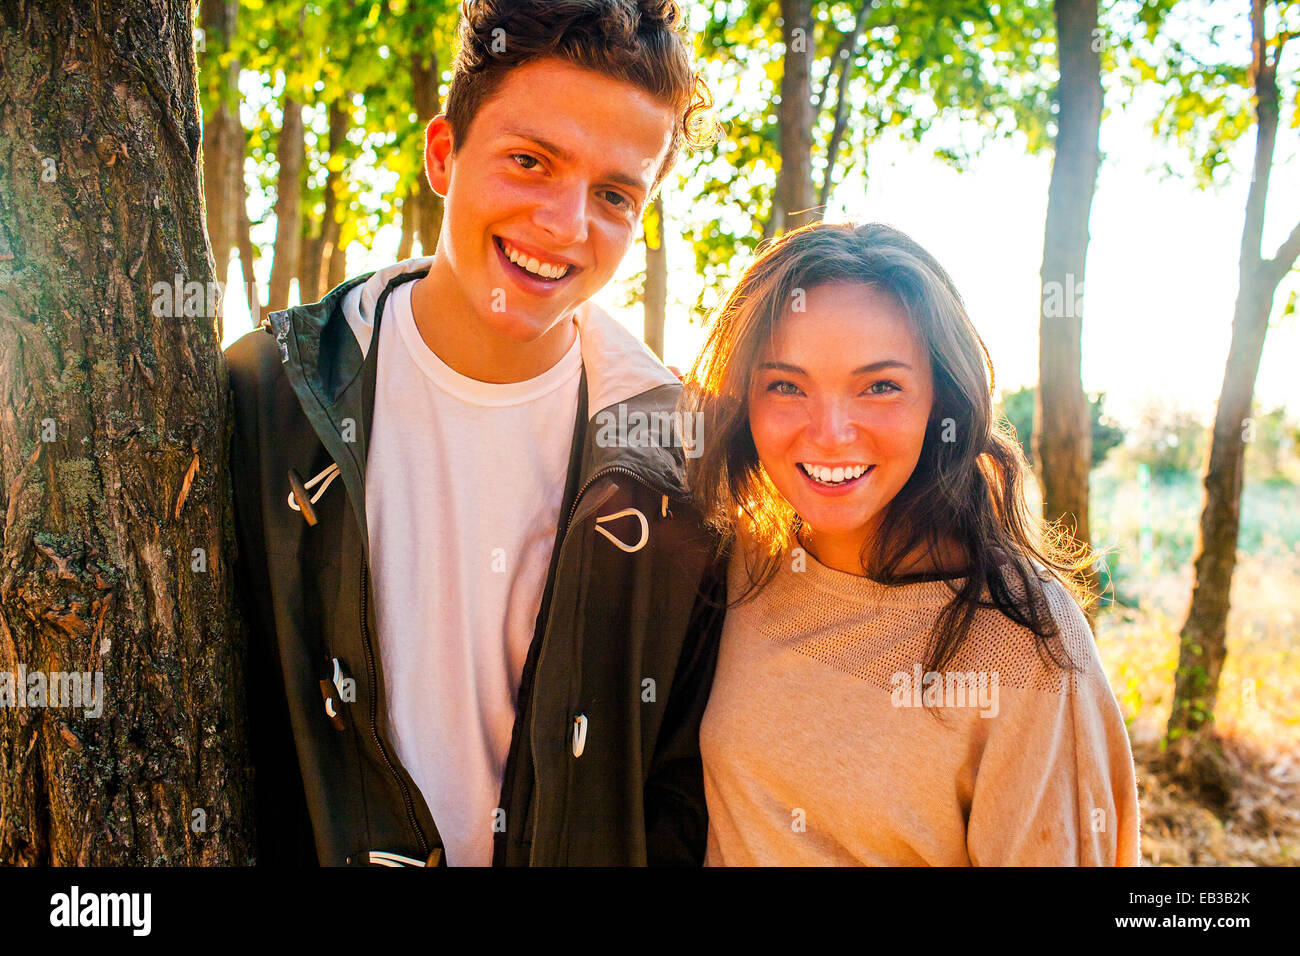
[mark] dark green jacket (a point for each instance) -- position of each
(604, 764)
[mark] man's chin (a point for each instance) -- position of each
(525, 329)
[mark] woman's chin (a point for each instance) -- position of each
(834, 523)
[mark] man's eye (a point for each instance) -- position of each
(524, 160)
(617, 200)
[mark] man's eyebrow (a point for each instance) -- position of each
(861, 370)
(564, 155)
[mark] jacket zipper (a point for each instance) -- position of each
(374, 728)
(577, 499)
(541, 654)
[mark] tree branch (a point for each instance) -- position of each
(845, 69)
(1277, 267)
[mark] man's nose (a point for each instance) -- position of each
(564, 213)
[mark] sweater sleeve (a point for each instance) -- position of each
(1055, 785)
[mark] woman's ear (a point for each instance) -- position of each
(439, 145)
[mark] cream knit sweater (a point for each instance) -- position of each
(816, 750)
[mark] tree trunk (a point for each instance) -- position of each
(1062, 427)
(333, 261)
(290, 154)
(247, 254)
(319, 244)
(1193, 753)
(223, 137)
(796, 199)
(424, 84)
(407, 218)
(309, 262)
(114, 495)
(656, 278)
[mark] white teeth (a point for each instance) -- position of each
(834, 476)
(535, 266)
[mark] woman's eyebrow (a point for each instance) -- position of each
(861, 370)
(882, 364)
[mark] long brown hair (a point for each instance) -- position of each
(968, 485)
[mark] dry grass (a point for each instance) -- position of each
(1258, 711)
(1260, 828)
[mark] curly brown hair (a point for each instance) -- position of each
(636, 41)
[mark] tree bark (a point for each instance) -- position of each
(656, 278)
(796, 199)
(114, 495)
(1063, 428)
(290, 154)
(1193, 753)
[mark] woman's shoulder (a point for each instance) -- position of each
(1055, 653)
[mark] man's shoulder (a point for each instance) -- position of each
(253, 357)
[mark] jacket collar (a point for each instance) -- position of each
(326, 351)
(618, 365)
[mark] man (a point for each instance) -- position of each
(494, 642)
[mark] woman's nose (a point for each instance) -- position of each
(832, 424)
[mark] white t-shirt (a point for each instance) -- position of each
(464, 484)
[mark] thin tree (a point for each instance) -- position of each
(1193, 752)
(291, 154)
(655, 300)
(223, 137)
(1063, 428)
(795, 199)
(425, 76)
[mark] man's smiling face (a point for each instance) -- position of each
(543, 194)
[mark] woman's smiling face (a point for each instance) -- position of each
(838, 408)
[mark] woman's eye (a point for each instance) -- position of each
(524, 160)
(783, 388)
(883, 388)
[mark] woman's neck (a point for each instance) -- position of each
(848, 554)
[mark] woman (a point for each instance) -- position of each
(906, 676)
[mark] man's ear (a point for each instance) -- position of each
(438, 147)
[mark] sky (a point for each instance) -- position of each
(1161, 276)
